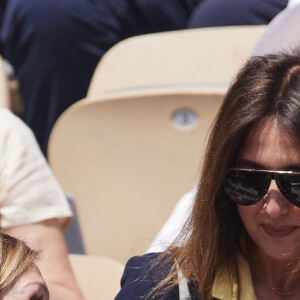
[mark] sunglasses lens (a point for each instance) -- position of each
(246, 187)
(289, 185)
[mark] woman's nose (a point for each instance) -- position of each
(276, 204)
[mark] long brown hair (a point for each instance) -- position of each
(266, 87)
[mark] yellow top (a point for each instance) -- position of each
(224, 289)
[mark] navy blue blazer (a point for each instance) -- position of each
(140, 277)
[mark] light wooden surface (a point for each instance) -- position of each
(16, 105)
(205, 56)
(127, 164)
(5, 99)
(98, 277)
(9, 90)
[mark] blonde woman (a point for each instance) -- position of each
(19, 276)
(33, 206)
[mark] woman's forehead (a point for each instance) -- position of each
(269, 131)
(268, 145)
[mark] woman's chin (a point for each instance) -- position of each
(280, 252)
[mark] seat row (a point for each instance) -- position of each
(133, 146)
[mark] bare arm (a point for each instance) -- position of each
(54, 264)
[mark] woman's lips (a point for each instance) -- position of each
(278, 232)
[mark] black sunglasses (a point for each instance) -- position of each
(248, 186)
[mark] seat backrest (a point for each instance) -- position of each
(127, 162)
(188, 57)
(5, 100)
(98, 277)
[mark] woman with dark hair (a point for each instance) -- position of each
(242, 240)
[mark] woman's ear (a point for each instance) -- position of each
(30, 285)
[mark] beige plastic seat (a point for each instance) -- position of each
(16, 105)
(127, 163)
(9, 91)
(5, 100)
(194, 57)
(98, 277)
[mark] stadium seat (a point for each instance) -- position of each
(193, 57)
(98, 277)
(5, 100)
(127, 159)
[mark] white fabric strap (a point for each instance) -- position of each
(293, 2)
(184, 293)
